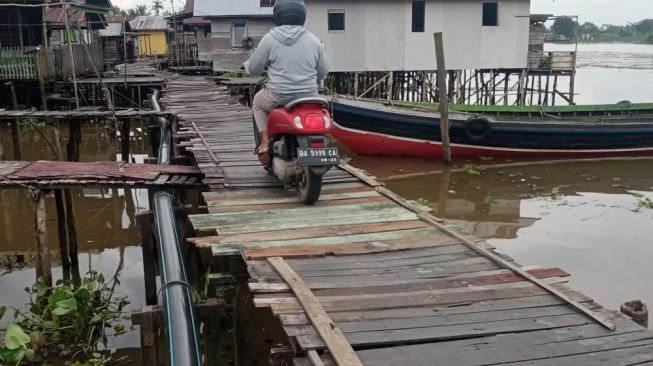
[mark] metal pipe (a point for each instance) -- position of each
(177, 300)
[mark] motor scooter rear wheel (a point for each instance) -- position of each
(309, 186)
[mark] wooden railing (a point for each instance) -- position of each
(554, 61)
(48, 63)
(16, 64)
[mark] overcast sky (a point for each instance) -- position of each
(618, 12)
(600, 12)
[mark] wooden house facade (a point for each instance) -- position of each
(231, 23)
(152, 39)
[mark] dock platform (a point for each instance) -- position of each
(365, 277)
(105, 174)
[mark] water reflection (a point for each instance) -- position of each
(107, 233)
(582, 217)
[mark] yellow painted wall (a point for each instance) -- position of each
(154, 45)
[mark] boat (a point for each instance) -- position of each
(413, 129)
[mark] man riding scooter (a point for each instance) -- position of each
(295, 62)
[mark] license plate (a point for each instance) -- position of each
(317, 156)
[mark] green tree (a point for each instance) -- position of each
(565, 26)
(588, 28)
(139, 10)
(644, 27)
(115, 9)
(649, 39)
(157, 6)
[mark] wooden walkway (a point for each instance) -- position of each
(60, 175)
(400, 286)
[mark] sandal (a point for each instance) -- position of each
(260, 151)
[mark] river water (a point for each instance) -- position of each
(586, 217)
(611, 72)
(108, 236)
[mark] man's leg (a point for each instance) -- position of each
(264, 102)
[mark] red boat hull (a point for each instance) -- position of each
(371, 143)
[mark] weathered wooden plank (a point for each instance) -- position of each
(296, 204)
(352, 274)
(435, 320)
(306, 233)
(341, 245)
(447, 332)
(335, 341)
(420, 298)
(324, 288)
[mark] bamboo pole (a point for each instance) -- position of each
(444, 102)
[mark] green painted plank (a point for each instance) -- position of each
(281, 224)
(534, 109)
(324, 213)
(266, 201)
(234, 249)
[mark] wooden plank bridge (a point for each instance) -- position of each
(366, 277)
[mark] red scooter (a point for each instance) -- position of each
(297, 154)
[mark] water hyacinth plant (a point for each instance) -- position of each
(65, 321)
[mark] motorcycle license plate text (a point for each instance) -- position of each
(321, 156)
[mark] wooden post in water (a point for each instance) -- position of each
(43, 269)
(74, 139)
(61, 228)
(444, 102)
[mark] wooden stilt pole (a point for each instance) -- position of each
(43, 270)
(71, 227)
(390, 87)
(72, 55)
(444, 103)
(14, 96)
(72, 148)
(355, 84)
(124, 134)
(61, 226)
(555, 89)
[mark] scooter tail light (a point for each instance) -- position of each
(298, 122)
(314, 121)
(317, 144)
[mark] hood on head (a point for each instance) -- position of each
(288, 34)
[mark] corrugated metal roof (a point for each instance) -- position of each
(149, 23)
(111, 30)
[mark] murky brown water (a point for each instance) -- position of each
(583, 217)
(107, 232)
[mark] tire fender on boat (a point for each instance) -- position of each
(477, 128)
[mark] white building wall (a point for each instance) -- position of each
(227, 8)
(378, 35)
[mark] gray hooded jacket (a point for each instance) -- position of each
(295, 59)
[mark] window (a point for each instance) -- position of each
(238, 33)
(490, 14)
(336, 20)
(418, 15)
(267, 3)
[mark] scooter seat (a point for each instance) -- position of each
(307, 100)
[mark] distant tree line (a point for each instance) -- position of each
(638, 32)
